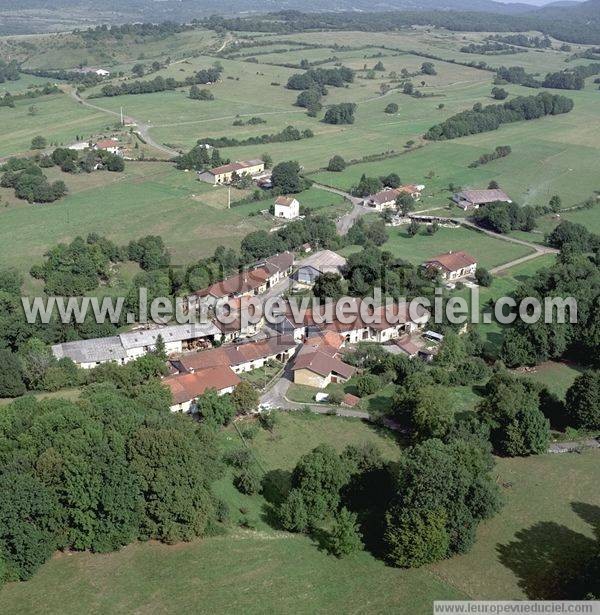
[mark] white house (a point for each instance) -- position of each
(109, 145)
(453, 265)
(287, 207)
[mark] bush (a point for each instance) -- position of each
(391, 108)
(367, 384)
(337, 164)
(483, 276)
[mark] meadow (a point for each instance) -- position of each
(517, 553)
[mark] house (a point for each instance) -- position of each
(318, 364)
(473, 199)
(109, 145)
(186, 388)
(287, 207)
(386, 198)
(238, 357)
(226, 173)
(247, 283)
(453, 265)
(386, 323)
(318, 263)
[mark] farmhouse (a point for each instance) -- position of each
(185, 388)
(128, 346)
(453, 265)
(226, 173)
(318, 263)
(287, 207)
(87, 70)
(239, 357)
(386, 198)
(473, 199)
(318, 363)
(109, 145)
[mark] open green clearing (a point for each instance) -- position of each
(488, 251)
(540, 529)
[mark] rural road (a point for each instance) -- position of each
(142, 127)
(344, 224)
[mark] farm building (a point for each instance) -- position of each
(128, 346)
(287, 207)
(324, 261)
(227, 173)
(185, 388)
(453, 265)
(239, 357)
(386, 198)
(474, 199)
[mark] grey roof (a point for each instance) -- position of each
(173, 333)
(91, 351)
(483, 196)
(324, 261)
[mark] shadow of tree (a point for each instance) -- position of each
(275, 487)
(549, 558)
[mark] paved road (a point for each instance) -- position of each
(345, 223)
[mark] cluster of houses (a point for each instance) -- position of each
(212, 354)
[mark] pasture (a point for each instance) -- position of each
(517, 553)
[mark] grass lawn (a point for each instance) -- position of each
(70, 394)
(552, 505)
(557, 376)
(488, 251)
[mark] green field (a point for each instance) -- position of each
(488, 251)
(148, 198)
(547, 522)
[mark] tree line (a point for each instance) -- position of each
(159, 84)
(290, 133)
(491, 117)
(317, 78)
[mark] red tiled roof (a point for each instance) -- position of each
(106, 143)
(286, 201)
(350, 400)
(185, 387)
(322, 363)
(452, 261)
(240, 283)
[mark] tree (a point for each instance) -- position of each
(405, 203)
(319, 476)
(343, 113)
(416, 537)
(483, 276)
(245, 398)
(11, 375)
(367, 186)
(38, 142)
(426, 410)
(328, 286)
(427, 68)
(583, 401)
(286, 177)
(344, 537)
(555, 203)
(512, 409)
(292, 513)
(29, 518)
(379, 66)
(248, 478)
(138, 70)
(337, 163)
(367, 384)
(452, 481)
(413, 228)
(391, 108)
(216, 410)
(499, 93)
